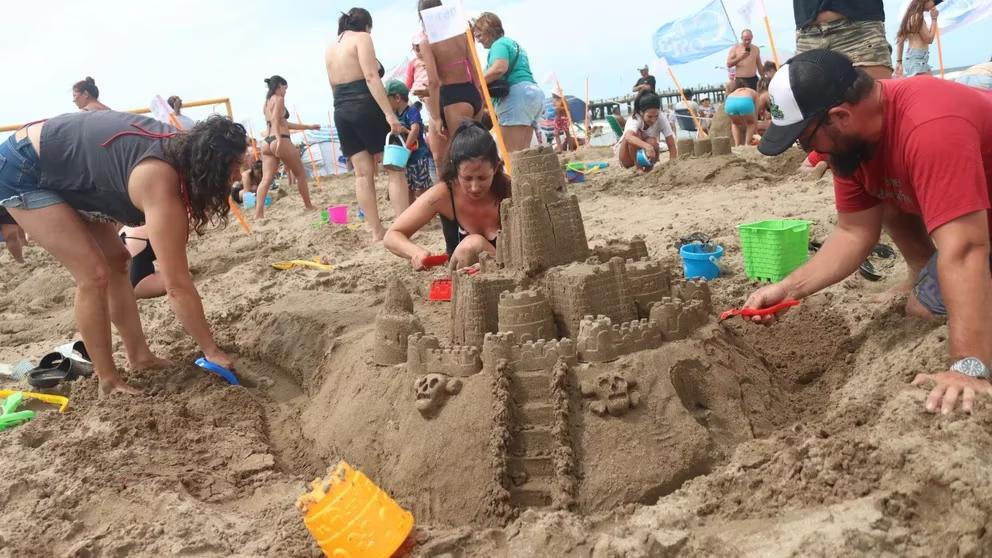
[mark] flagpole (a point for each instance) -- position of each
(497, 129)
(568, 112)
(688, 104)
(771, 38)
(730, 23)
(940, 50)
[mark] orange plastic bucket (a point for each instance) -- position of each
(351, 517)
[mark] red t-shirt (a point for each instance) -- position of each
(935, 157)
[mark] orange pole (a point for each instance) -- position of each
(497, 130)
(940, 49)
(313, 164)
(334, 151)
(254, 143)
(771, 38)
(699, 126)
(237, 213)
(568, 111)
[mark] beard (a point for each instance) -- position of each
(845, 161)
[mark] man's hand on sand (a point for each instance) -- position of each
(763, 298)
(948, 387)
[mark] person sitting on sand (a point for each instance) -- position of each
(644, 131)
(743, 107)
(923, 147)
(278, 147)
(467, 200)
(70, 180)
(619, 116)
(86, 95)
(147, 282)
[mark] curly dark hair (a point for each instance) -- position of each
(204, 158)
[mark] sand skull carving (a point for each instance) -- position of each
(613, 393)
(432, 392)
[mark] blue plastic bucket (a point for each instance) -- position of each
(394, 157)
(698, 263)
(642, 159)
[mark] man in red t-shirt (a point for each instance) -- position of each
(922, 146)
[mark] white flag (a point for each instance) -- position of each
(161, 111)
(445, 21)
(750, 11)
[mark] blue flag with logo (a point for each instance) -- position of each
(696, 36)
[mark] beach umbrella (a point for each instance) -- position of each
(576, 108)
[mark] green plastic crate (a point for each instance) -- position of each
(775, 248)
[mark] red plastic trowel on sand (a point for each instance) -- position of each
(435, 260)
(751, 312)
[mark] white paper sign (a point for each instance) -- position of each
(445, 21)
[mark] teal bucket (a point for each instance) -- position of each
(394, 157)
(700, 263)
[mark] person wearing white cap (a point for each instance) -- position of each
(646, 81)
(922, 146)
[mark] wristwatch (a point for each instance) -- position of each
(971, 366)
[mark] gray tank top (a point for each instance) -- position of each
(87, 158)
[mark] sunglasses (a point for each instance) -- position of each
(806, 144)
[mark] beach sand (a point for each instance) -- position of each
(800, 440)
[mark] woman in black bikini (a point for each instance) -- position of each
(467, 200)
(362, 114)
(277, 145)
(452, 80)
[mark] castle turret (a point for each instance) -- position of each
(527, 314)
(394, 323)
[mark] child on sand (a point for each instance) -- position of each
(418, 168)
(915, 30)
(467, 200)
(561, 126)
(644, 130)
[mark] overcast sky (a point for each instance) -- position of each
(210, 48)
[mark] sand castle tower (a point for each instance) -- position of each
(527, 314)
(583, 289)
(393, 325)
(542, 225)
(474, 304)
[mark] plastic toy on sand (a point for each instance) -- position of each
(435, 260)
(338, 214)
(250, 200)
(9, 415)
(440, 290)
(752, 312)
(699, 260)
(642, 159)
(58, 400)
(349, 516)
(219, 370)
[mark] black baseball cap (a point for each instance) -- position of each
(805, 88)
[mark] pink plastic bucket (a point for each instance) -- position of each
(338, 214)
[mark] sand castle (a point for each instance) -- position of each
(526, 318)
(701, 147)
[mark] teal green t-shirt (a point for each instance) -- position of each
(505, 49)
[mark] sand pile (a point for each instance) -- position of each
(800, 440)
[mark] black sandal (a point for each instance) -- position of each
(867, 269)
(55, 369)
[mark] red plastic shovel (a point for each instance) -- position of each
(751, 312)
(435, 260)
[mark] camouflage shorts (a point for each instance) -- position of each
(863, 42)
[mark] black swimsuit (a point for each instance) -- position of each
(143, 263)
(453, 232)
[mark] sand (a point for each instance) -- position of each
(801, 440)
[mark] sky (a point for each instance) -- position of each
(201, 49)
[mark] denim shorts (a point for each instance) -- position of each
(916, 61)
(20, 172)
(522, 107)
(927, 289)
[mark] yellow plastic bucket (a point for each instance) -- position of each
(351, 517)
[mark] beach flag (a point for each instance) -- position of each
(955, 14)
(445, 21)
(695, 36)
